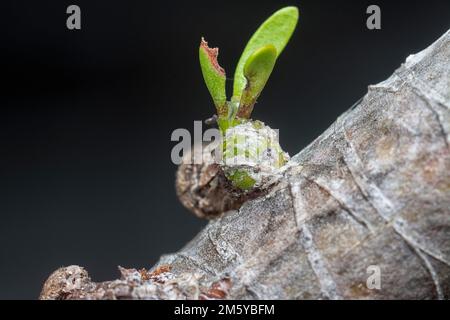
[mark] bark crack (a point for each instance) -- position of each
(434, 276)
(327, 284)
(439, 121)
(382, 205)
(326, 281)
(341, 203)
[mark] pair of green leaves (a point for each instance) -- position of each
(254, 66)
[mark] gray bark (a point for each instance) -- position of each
(372, 190)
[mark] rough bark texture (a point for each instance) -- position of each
(373, 189)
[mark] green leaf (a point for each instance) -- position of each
(214, 77)
(257, 71)
(276, 30)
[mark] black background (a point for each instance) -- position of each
(86, 116)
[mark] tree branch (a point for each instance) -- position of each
(372, 190)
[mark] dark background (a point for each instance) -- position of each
(86, 116)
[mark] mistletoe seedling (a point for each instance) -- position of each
(251, 151)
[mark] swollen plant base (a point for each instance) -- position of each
(253, 157)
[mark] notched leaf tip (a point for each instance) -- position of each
(212, 53)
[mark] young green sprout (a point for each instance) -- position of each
(251, 152)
